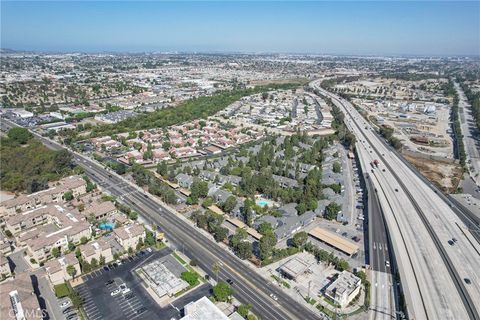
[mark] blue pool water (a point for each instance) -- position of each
(106, 226)
(263, 203)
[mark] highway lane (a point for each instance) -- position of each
(445, 225)
(249, 286)
(364, 134)
(448, 261)
(383, 305)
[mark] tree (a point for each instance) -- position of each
(19, 135)
(244, 310)
(342, 265)
(337, 168)
(264, 228)
(332, 210)
(56, 252)
(222, 291)
(83, 240)
(190, 277)
(300, 239)
(266, 244)
(102, 260)
(150, 239)
(94, 263)
(71, 271)
(162, 168)
(230, 204)
(216, 269)
(67, 196)
(244, 250)
(207, 202)
(220, 233)
(133, 215)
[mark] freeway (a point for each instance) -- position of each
(383, 304)
(420, 224)
(249, 286)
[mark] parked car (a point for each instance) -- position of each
(141, 310)
(115, 292)
(69, 309)
(65, 304)
(123, 287)
(109, 282)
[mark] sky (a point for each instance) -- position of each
(341, 27)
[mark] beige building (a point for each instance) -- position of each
(128, 236)
(101, 210)
(96, 249)
(18, 300)
(5, 270)
(344, 289)
(54, 194)
(57, 268)
(44, 228)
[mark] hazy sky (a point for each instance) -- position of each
(429, 27)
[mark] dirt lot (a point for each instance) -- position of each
(444, 175)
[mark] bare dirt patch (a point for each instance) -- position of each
(444, 175)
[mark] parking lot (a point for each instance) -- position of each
(131, 303)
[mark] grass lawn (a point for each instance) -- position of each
(61, 290)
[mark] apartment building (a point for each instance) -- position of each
(95, 250)
(54, 194)
(18, 299)
(5, 270)
(128, 236)
(57, 268)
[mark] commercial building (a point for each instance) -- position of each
(203, 309)
(344, 289)
(294, 268)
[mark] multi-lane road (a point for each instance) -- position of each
(434, 273)
(248, 285)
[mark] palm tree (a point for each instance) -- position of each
(71, 271)
(216, 269)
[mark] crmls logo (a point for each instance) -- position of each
(29, 314)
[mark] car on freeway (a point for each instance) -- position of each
(467, 281)
(115, 292)
(396, 190)
(229, 281)
(454, 240)
(450, 242)
(274, 297)
(387, 264)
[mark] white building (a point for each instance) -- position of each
(344, 289)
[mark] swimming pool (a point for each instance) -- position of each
(106, 226)
(264, 203)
